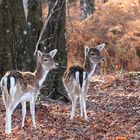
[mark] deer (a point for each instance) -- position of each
(21, 87)
(76, 79)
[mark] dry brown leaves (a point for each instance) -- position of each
(113, 106)
(117, 24)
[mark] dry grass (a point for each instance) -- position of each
(116, 24)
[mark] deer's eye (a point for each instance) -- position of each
(45, 59)
(92, 54)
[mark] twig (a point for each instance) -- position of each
(54, 33)
(51, 93)
(44, 26)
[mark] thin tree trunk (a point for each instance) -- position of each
(84, 8)
(55, 35)
(90, 6)
(34, 21)
(87, 8)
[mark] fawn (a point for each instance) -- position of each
(21, 87)
(76, 78)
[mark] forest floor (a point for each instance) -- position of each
(113, 107)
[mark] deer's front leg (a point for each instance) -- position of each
(32, 110)
(74, 105)
(23, 112)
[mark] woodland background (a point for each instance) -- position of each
(113, 101)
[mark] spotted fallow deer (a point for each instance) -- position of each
(21, 87)
(76, 78)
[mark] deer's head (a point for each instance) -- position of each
(46, 59)
(93, 54)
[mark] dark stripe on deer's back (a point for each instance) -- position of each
(8, 84)
(81, 78)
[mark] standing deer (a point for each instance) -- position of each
(76, 78)
(21, 87)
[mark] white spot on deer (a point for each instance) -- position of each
(84, 76)
(13, 85)
(77, 78)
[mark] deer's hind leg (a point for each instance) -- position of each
(9, 111)
(74, 98)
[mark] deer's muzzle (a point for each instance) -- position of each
(56, 65)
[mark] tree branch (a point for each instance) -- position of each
(44, 26)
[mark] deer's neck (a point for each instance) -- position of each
(90, 67)
(40, 74)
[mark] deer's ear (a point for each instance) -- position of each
(101, 46)
(39, 54)
(53, 53)
(86, 48)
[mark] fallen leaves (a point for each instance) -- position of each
(113, 111)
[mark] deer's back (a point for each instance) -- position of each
(23, 81)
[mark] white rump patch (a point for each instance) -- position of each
(12, 85)
(84, 76)
(77, 77)
(12, 82)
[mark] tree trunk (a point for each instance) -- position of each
(55, 35)
(5, 38)
(87, 8)
(34, 22)
(90, 6)
(84, 8)
(20, 39)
